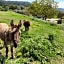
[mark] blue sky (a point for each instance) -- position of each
(60, 2)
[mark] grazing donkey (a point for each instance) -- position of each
(10, 35)
(26, 25)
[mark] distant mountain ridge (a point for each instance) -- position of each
(24, 3)
(61, 9)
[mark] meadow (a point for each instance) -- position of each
(42, 44)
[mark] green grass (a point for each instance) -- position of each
(35, 42)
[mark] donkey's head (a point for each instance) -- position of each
(15, 34)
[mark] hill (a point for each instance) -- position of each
(61, 9)
(24, 3)
(42, 44)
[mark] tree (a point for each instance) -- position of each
(60, 14)
(34, 9)
(43, 8)
(6, 8)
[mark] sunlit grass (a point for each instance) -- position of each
(38, 33)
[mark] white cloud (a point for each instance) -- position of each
(61, 4)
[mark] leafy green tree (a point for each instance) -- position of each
(13, 7)
(43, 8)
(34, 9)
(6, 8)
(60, 14)
(0, 8)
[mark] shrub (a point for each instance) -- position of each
(1, 8)
(37, 48)
(51, 38)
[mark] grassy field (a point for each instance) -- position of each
(35, 45)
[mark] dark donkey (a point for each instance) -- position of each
(10, 35)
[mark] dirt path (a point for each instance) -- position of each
(57, 61)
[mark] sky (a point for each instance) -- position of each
(60, 2)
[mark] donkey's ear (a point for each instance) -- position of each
(12, 23)
(20, 23)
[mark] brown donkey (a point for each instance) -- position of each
(10, 35)
(26, 25)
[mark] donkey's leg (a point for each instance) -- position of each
(6, 51)
(11, 52)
